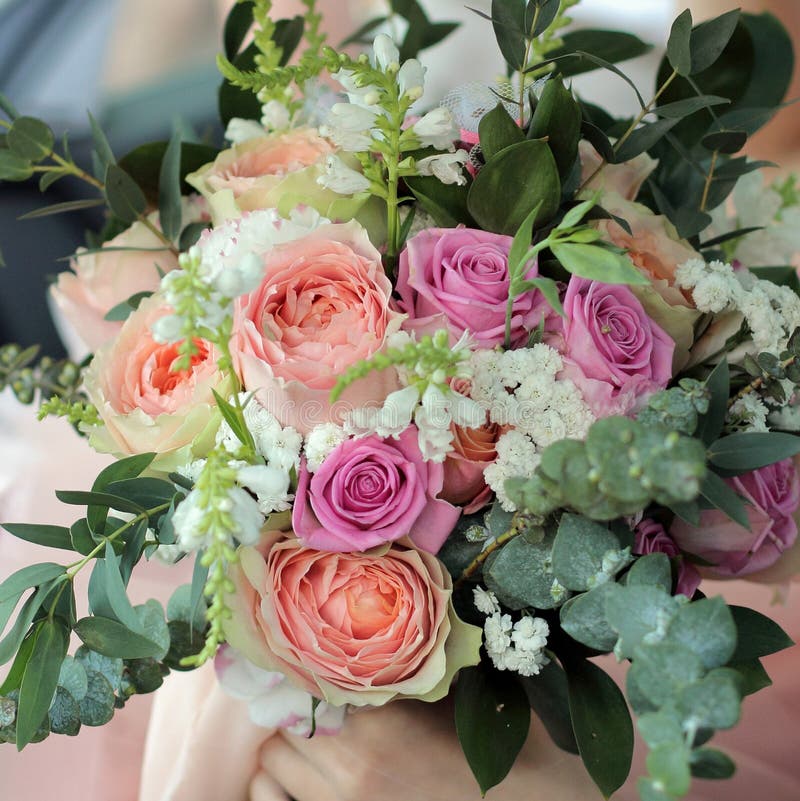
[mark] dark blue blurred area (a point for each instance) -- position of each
(51, 60)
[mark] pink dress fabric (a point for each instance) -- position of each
(201, 746)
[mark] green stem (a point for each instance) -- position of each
(632, 127)
(528, 46)
(76, 567)
(709, 178)
(475, 564)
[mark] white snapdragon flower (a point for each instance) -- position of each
(387, 56)
(340, 178)
(366, 96)
(436, 129)
(447, 167)
(350, 127)
(240, 130)
(411, 79)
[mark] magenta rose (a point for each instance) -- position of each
(772, 494)
(614, 352)
(652, 538)
(457, 278)
(369, 491)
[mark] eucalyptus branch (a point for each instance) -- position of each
(478, 561)
(709, 178)
(758, 382)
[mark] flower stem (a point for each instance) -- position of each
(476, 563)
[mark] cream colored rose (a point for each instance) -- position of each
(623, 179)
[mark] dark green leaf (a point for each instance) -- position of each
(27, 577)
(751, 676)
(7, 107)
(184, 641)
(61, 208)
(199, 577)
(101, 499)
(720, 496)
(110, 638)
(49, 178)
(125, 199)
(13, 167)
(105, 156)
(190, 235)
(40, 680)
(97, 706)
(725, 141)
(145, 675)
(497, 130)
(758, 635)
(558, 117)
(708, 763)
(610, 46)
(682, 108)
(116, 594)
(169, 189)
(492, 722)
(146, 491)
(602, 725)
(30, 139)
(508, 20)
(237, 25)
(549, 698)
(110, 668)
(81, 537)
(288, 33)
(359, 36)
(64, 714)
(130, 467)
(49, 536)
(718, 384)
(678, 44)
(511, 185)
(446, 203)
(597, 264)
(122, 311)
(235, 102)
(642, 139)
(547, 11)
(14, 678)
(710, 38)
(749, 450)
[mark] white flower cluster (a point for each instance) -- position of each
(270, 482)
(354, 127)
(320, 442)
(749, 413)
(757, 204)
(515, 646)
(432, 409)
(225, 262)
(520, 389)
(772, 312)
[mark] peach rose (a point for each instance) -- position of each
(473, 450)
(274, 171)
(146, 406)
(323, 306)
(350, 628)
(100, 281)
(623, 179)
(653, 245)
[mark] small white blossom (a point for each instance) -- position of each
(447, 167)
(240, 130)
(436, 129)
(340, 178)
(366, 96)
(411, 79)
(386, 53)
(350, 127)
(750, 413)
(320, 442)
(275, 116)
(517, 647)
(485, 601)
(168, 328)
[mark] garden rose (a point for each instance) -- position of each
(623, 179)
(653, 245)
(145, 406)
(772, 494)
(473, 450)
(457, 278)
(651, 537)
(323, 305)
(100, 281)
(356, 629)
(621, 355)
(369, 491)
(278, 171)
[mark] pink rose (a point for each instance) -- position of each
(652, 538)
(474, 449)
(772, 494)
(620, 354)
(100, 281)
(323, 306)
(457, 278)
(369, 491)
(624, 179)
(351, 628)
(653, 245)
(146, 406)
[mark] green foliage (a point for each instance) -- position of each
(749, 450)
(492, 721)
(28, 377)
(620, 468)
(548, 696)
(678, 408)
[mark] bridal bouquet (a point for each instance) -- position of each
(437, 398)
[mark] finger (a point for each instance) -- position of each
(298, 776)
(265, 788)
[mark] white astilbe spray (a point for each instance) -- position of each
(514, 646)
(771, 312)
(521, 389)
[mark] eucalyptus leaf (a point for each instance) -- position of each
(709, 39)
(643, 138)
(72, 677)
(110, 638)
(27, 577)
(49, 536)
(678, 45)
(116, 594)
(97, 706)
(757, 635)
(610, 46)
(109, 667)
(64, 714)
(58, 208)
(583, 617)
(708, 763)
(14, 167)
(741, 452)
(102, 149)
(169, 189)
(123, 195)
(30, 139)
(153, 623)
(652, 570)
(661, 670)
(713, 702)
(668, 764)
(579, 549)
(720, 496)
